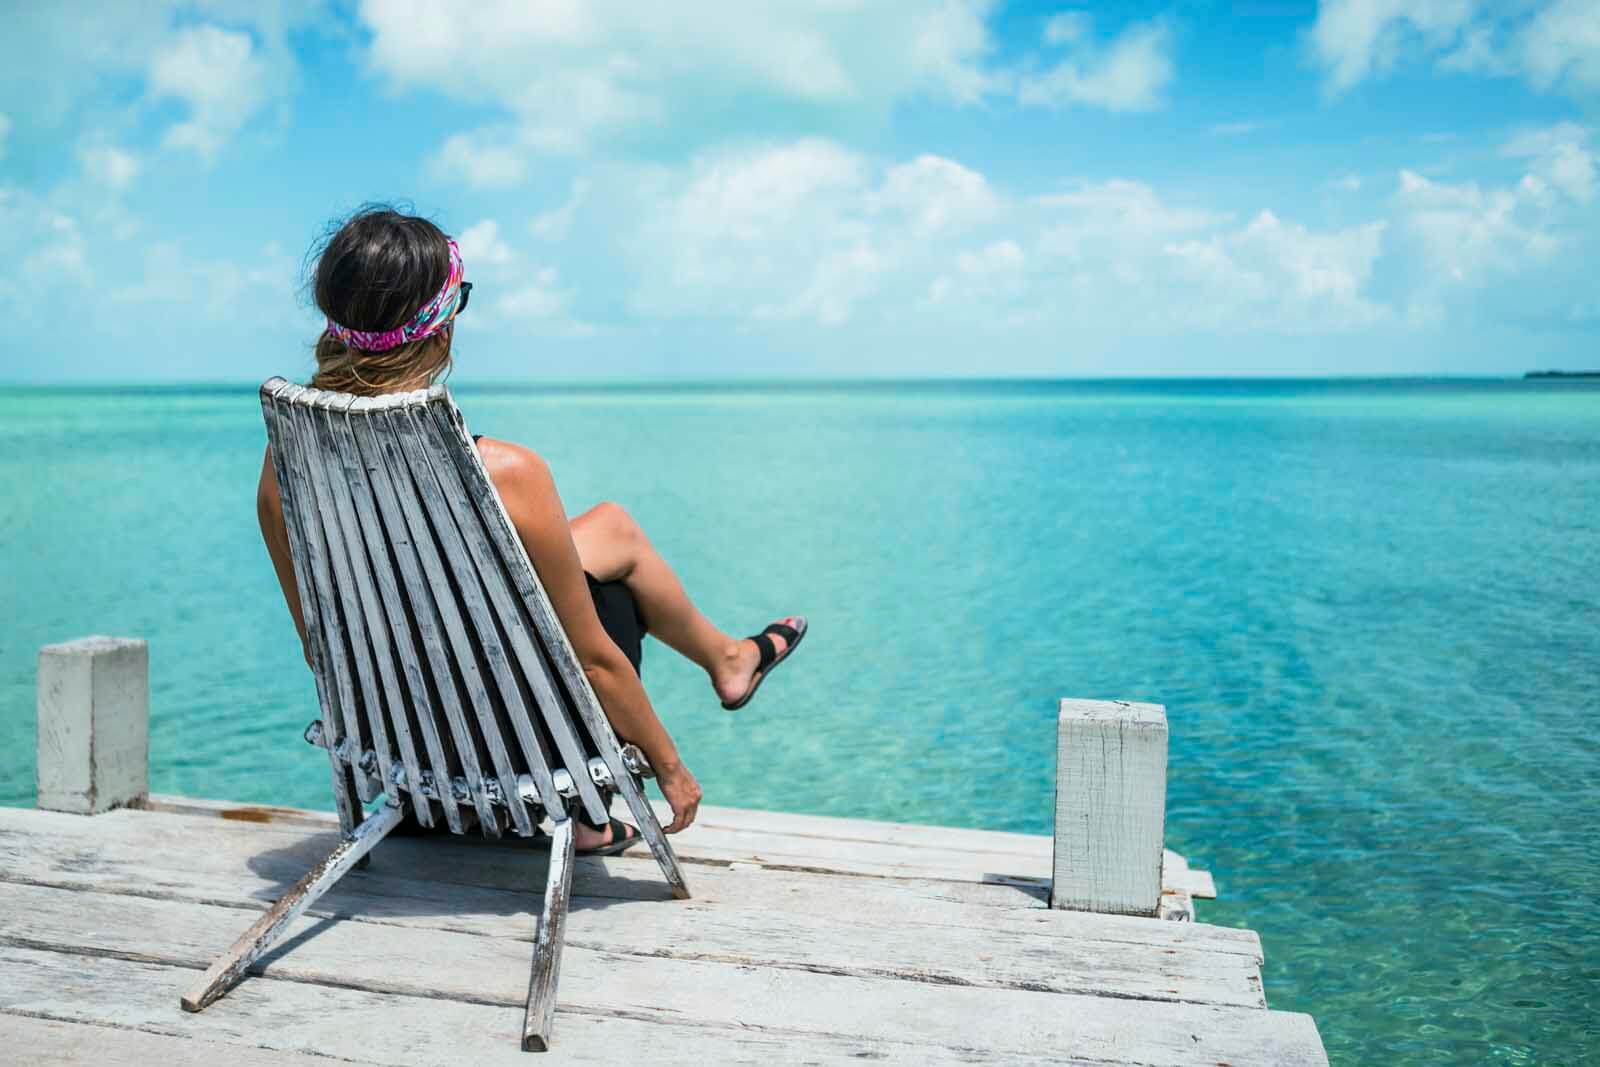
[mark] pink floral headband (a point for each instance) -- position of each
(432, 317)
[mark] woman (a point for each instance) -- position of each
(391, 286)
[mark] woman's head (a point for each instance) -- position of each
(390, 286)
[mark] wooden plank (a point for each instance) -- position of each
(387, 623)
(265, 931)
(397, 534)
(554, 638)
(432, 605)
(549, 939)
(747, 932)
(353, 583)
(484, 637)
(445, 461)
(159, 854)
(1111, 795)
(51, 1043)
(431, 473)
(325, 553)
(724, 836)
(294, 499)
(489, 970)
(296, 1019)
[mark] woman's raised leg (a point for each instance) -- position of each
(612, 547)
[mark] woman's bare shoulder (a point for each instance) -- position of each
(517, 471)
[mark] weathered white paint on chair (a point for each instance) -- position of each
(1111, 795)
(94, 724)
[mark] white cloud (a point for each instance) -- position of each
(540, 303)
(1548, 43)
(1131, 72)
(1560, 156)
(801, 233)
(106, 164)
(1469, 234)
(60, 251)
(484, 159)
(937, 194)
(1282, 275)
(1561, 45)
(552, 225)
(218, 74)
(1238, 129)
(481, 246)
(570, 75)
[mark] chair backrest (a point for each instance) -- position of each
(441, 667)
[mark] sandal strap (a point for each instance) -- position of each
(767, 649)
(783, 630)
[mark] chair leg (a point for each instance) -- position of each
(650, 827)
(255, 942)
(551, 934)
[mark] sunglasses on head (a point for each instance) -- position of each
(466, 293)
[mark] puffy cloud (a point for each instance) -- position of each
(552, 225)
(1129, 73)
(1548, 43)
(218, 75)
(1559, 155)
(1468, 234)
(937, 194)
(806, 230)
(571, 75)
(810, 232)
(106, 164)
(481, 246)
(1561, 45)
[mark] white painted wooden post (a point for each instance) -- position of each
(1111, 799)
(94, 724)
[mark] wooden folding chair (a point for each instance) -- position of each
(446, 683)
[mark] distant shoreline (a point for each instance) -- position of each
(1562, 374)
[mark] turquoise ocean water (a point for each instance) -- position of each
(1369, 607)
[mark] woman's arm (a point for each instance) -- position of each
(269, 510)
(529, 494)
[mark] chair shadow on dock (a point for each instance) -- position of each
(466, 883)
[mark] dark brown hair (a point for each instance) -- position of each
(373, 271)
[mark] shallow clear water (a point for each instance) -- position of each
(1370, 609)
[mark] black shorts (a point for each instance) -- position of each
(619, 614)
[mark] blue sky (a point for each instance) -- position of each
(873, 188)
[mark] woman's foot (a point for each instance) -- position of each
(610, 839)
(742, 667)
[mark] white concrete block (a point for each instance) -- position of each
(1111, 801)
(94, 724)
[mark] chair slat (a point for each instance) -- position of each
(278, 434)
(403, 610)
(469, 593)
(548, 626)
(347, 482)
(338, 534)
(315, 517)
(433, 604)
(450, 459)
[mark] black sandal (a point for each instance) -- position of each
(770, 656)
(623, 836)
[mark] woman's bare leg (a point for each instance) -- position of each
(612, 547)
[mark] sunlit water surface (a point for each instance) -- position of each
(1370, 609)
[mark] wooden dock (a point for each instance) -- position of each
(809, 940)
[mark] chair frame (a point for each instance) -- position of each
(352, 472)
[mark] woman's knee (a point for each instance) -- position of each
(617, 528)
